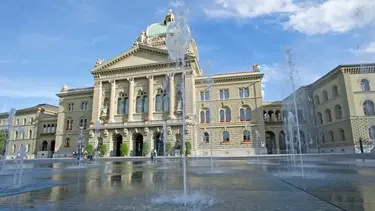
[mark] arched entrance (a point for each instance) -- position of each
(159, 144)
(270, 142)
(118, 142)
(138, 144)
(44, 146)
(53, 145)
(282, 144)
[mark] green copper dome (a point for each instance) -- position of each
(156, 29)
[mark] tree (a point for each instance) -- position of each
(168, 147)
(90, 149)
(187, 148)
(145, 149)
(124, 149)
(2, 142)
(103, 150)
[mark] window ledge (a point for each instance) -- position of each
(246, 142)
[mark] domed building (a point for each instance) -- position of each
(137, 95)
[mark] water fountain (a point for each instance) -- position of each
(21, 155)
(164, 140)
(7, 129)
(97, 135)
(79, 146)
(288, 54)
(258, 143)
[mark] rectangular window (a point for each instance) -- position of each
(205, 95)
(224, 94)
(244, 92)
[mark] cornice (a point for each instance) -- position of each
(74, 93)
(230, 77)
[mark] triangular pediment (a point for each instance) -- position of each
(137, 56)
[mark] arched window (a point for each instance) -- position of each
(44, 146)
(368, 108)
(67, 142)
(335, 90)
(365, 85)
(48, 128)
(139, 104)
(45, 128)
(222, 115)
(54, 128)
(325, 96)
(18, 122)
(246, 136)
(338, 112)
(16, 136)
(126, 105)
(165, 103)
(145, 104)
(331, 136)
(322, 138)
(205, 116)
(328, 115)
(225, 115)
(225, 136)
(69, 124)
(342, 134)
(30, 134)
(206, 137)
(120, 106)
(24, 121)
(245, 114)
(31, 120)
(278, 115)
(14, 148)
(316, 100)
(371, 132)
(319, 118)
(158, 103)
(28, 148)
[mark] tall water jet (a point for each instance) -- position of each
(21, 154)
(178, 39)
(7, 130)
(97, 135)
(164, 140)
(209, 82)
(79, 146)
(288, 53)
(258, 143)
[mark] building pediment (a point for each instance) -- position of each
(137, 56)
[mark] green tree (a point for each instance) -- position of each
(2, 142)
(145, 149)
(187, 148)
(90, 149)
(103, 150)
(124, 149)
(168, 147)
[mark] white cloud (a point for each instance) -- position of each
(27, 88)
(370, 48)
(176, 3)
(325, 16)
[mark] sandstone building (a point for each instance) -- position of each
(139, 92)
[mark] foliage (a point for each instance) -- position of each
(90, 149)
(187, 148)
(168, 147)
(145, 149)
(2, 142)
(124, 149)
(103, 150)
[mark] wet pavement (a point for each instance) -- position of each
(270, 183)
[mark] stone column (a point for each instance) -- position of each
(112, 101)
(150, 97)
(97, 101)
(171, 96)
(131, 99)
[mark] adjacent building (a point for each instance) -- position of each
(137, 99)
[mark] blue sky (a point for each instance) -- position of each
(45, 44)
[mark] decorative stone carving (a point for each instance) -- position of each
(146, 130)
(136, 130)
(255, 67)
(126, 132)
(105, 133)
(99, 61)
(169, 130)
(116, 131)
(64, 88)
(141, 39)
(179, 102)
(104, 112)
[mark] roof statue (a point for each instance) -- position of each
(99, 61)
(255, 67)
(64, 88)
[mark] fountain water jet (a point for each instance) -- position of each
(7, 130)
(288, 53)
(21, 154)
(178, 39)
(97, 135)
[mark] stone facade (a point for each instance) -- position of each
(139, 92)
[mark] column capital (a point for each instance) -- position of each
(150, 77)
(112, 81)
(170, 75)
(130, 79)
